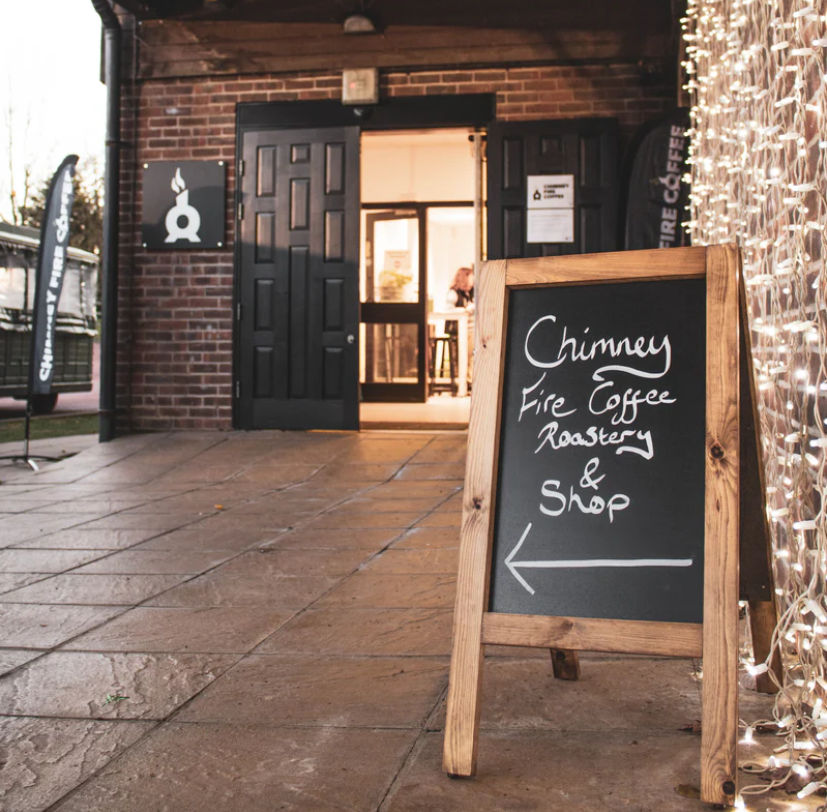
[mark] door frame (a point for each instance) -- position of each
(406, 312)
(421, 209)
(417, 113)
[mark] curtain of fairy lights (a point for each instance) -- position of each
(756, 73)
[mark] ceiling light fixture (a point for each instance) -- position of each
(358, 24)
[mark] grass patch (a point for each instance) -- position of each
(44, 427)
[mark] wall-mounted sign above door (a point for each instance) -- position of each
(183, 205)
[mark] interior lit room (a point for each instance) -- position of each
(420, 238)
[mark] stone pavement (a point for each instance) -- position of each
(258, 622)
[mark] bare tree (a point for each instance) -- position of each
(20, 161)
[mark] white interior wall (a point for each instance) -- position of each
(450, 247)
(417, 166)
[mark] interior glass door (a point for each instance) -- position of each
(393, 296)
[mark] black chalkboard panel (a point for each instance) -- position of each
(602, 453)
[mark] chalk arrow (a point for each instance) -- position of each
(514, 566)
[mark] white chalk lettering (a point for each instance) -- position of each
(596, 504)
(556, 439)
(551, 403)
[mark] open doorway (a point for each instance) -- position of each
(418, 230)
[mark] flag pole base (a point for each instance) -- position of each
(29, 460)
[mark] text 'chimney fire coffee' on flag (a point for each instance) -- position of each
(183, 205)
(657, 196)
(51, 263)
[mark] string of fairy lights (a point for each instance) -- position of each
(757, 74)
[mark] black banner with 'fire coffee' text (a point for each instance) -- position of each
(657, 195)
(51, 263)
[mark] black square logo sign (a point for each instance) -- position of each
(184, 205)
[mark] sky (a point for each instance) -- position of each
(49, 87)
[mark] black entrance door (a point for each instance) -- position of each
(298, 286)
(583, 148)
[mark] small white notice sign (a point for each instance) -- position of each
(550, 225)
(397, 261)
(550, 192)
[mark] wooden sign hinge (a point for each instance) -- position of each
(241, 168)
(240, 213)
(238, 390)
(238, 311)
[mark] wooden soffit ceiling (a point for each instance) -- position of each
(501, 14)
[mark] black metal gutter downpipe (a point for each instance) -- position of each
(109, 295)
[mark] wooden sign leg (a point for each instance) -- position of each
(720, 628)
(462, 724)
(762, 620)
(565, 664)
(463, 715)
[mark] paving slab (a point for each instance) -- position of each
(192, 768)
(346, 520)
(156, 562)
(539, 771)
(364, 632)
(275, 474)
(338, 490)
(11, 658)
(369, 504)
(232, 522)
(287, 501)
(89, 539)
(13, 580)
(658, 695)
(323, 538)
(207, 498)
(378, 692)
(108, 686)
(447, 448)
(141, 521)
(251, 592)
(278, 563)
(397, 591)
(451, 519)
(451, 505)
(401, 561)
(43, 627)
(351, 472)
(208, 630)
(396, 489)
(94, 590)
(46, 758)
(205, 540)
(22, 503)
(23, 527)
(46, 561)
(428, 537)
(98, 506)
(427, 470)
(385, 450)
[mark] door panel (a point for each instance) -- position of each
(298, 285)
(585, 148)
(393, 305)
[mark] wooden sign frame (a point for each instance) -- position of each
(716, 639)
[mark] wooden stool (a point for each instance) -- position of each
(436, 349)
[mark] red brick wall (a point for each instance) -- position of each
(175, 332)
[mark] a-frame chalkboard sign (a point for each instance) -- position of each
(604, 482)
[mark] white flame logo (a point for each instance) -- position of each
(178, 184)
(182, 209)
